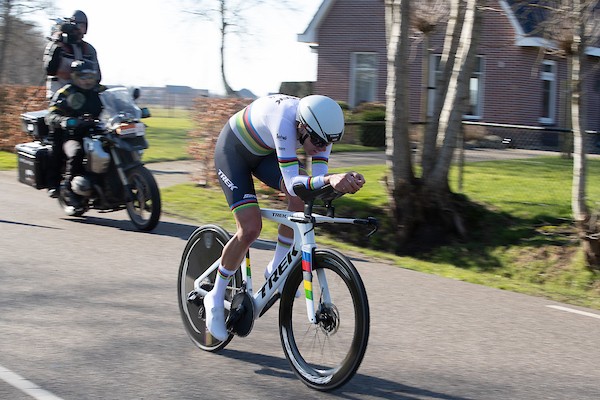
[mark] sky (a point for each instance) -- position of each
(150, 43)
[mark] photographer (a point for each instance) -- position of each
(67, 45)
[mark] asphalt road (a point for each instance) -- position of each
(88, 310)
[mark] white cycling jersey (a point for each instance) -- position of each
(268, 125)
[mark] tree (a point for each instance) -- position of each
(230, 15)
(567, 27)
(17, 37)
(424, 207)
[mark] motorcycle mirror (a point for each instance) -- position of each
(136, 93)
(145, 112)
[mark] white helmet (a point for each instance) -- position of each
(322, 116)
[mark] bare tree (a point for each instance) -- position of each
(424, 207)
(231, 18)
(568, 27)
(13, 14)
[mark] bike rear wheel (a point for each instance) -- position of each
(327, 354)
(203, 248)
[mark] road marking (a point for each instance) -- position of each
(572, 310)
(25, 386)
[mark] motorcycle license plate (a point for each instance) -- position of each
(133, 129)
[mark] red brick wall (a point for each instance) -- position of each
(512, 85)
(351, 26)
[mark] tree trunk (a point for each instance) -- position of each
(224, 25)
(436, 183)
(400, 178)
(455, 23)
(6, 19)
(588, 228)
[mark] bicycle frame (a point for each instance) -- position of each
(302, 250)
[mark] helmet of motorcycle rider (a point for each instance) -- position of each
(81, 185)
(323, 118)
(80, 19)
(84, 74)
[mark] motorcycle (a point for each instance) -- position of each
(115, 177)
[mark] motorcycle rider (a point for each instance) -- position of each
(72, 112)
(67, 45)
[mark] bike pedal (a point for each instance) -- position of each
(194, 297)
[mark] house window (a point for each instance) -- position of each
(475, 90)
(548, 77)
(364, 78)
(475, 105)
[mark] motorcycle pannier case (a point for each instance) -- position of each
(34, 161)
(34, 124)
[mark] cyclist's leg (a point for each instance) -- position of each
(285, 237)
(234, 165)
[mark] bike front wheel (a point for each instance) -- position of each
(327, 354)
(203, 248)
(145, 206)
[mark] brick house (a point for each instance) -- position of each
(513, 84)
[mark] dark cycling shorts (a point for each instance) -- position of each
(235, 166)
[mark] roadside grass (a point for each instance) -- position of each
(521, 240)
(167, 135)
(8, 161)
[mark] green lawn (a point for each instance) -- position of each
(167, 135)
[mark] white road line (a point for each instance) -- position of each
(25, 386)
(572, 310)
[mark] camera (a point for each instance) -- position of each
(65, 31)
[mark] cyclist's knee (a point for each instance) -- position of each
(248, 233)
(249, 225)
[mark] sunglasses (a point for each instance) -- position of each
(318, 142)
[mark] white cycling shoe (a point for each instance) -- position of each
(215, 318)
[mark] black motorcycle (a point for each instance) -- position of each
(115, 176)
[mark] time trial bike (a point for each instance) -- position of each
(324, 336)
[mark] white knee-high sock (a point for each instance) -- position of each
(281, 249)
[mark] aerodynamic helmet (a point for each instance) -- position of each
(322, 116)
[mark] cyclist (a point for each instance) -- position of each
(262, 141)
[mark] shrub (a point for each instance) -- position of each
(15, 100)
(373, 135)
(210, 115)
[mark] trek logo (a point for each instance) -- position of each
(280, 215)
(283, 265)
(227, 181)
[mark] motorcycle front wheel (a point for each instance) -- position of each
(145, 208)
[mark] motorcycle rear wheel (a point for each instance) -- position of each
(144, 211)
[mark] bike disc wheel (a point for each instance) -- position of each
(145, 208)
(327, 354)
(203, 248)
